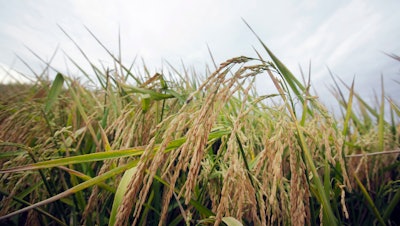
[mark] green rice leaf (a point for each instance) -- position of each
(293, 82)
(75, 189)
(145, 102)
(392, 205)
(119, 194)
(349, 110)
(381, 121)
(55, 90)
(328, 213)
(86, 178)
(230, 221)
(39, 210)
(394, 106)
(197, 205)
(92, 157)
(153, 94)
(101, 156)
(11, 153)
(370, 202)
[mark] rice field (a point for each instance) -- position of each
(171, 148)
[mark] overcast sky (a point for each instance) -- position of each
(349, 37)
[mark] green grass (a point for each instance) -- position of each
(172, 149)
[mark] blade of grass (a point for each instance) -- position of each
(39, 210)
(381, 120)
(11, 153)
(55, 90)
(230, 221)
(289, 77)
(83, 114)
(197, 205)
(394, 106)
(320, 188)
(153, 94)
(47, 63)
(348, 111)
(393, 203)
(86, 178)
(114, 58)
(370, 202)
(95, 69)
(358, 97)
(79, 187)
(92, 157)
(147, 208)
(101, 156)
(119, 194)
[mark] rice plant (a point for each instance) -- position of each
(170, 149)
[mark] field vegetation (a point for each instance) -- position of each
(170, 148)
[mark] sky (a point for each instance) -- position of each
(349, 37)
